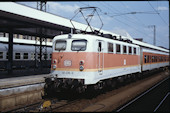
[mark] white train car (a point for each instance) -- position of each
(81, 60)
(84, 60)
(152, 57)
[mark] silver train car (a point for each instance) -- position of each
(23, 55)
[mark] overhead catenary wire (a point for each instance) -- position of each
(133, 15)
(133, 27)
(158, 13)
(118, 12)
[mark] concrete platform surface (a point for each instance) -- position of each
(19, 81)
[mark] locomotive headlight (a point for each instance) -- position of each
(54, 61)
(81, 68)
(54, 66)
(81, 62)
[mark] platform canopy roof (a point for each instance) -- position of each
(26, 20)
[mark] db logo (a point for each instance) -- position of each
(67, 63)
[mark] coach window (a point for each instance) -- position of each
(78, 45)
(6, 55)
(25, 55)
(145, 59)
(110, 48)
(118, 48)
(159, 58)
(39, 56)
(152, 58)
(50, 55)
(32, 56)
(1, 55)
(45, 56)
(134, 50)
(130, 50)
(17, 55)
(124, 49)
(60, 45)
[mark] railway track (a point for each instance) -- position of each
(49, 105)
(80, 103)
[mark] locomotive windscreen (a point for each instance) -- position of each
(79, 45)
(60, 45)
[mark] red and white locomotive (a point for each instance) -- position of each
(83, 60)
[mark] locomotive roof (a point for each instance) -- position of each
(136, 42)
(88, 37)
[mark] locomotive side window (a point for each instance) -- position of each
(124, 49)
(118, 48)
(130, 50)
(17, 55)
(25, 56)
(79, 45)
(110, 47)
(134, 51)
(1, 55)
(60, 45)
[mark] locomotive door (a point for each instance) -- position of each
(100, 57)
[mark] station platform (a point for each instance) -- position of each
(20, 81)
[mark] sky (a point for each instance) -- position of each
(117, 17)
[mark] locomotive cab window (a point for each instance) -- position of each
(60, 45)
(79, 45)
(118, 48)
(110, 48)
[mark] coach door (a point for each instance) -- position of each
(100, 57)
